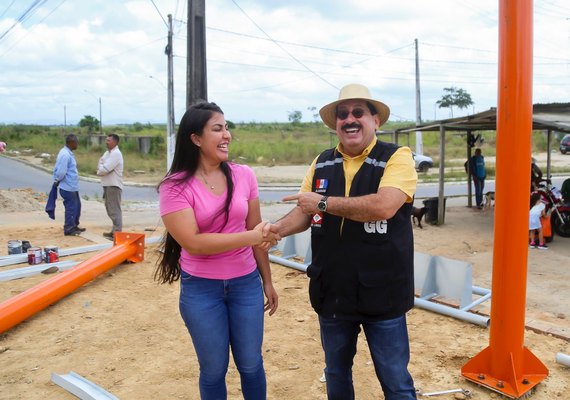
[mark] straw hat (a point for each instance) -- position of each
(351, 92)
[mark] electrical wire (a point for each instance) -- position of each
(25, 15)
(7, 8)
(32, 28)
(158, 11)
(282, 48)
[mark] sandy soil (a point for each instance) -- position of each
(123, 332)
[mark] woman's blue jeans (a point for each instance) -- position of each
(389, 348)
(220, 314)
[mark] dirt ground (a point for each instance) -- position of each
(123, 332)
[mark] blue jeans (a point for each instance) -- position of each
(479, 186)
(72, 205)
(220, 314)
(389, 347)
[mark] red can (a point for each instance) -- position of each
(34, 255)
(51, 254)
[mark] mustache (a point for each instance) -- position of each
(351, 125)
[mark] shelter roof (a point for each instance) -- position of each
(552, 116)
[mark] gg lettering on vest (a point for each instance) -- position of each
(376, 226)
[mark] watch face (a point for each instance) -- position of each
(322, 205)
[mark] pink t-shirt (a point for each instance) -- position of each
(175, 196)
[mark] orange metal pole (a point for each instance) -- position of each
(506, 366)
(128, 246)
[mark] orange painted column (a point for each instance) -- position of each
(507, 366)
(128, 247)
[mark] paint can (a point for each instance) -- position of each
(14, 247)
(51, 254)
(25, 246)
(34, 255)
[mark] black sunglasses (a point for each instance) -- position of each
(356, 113)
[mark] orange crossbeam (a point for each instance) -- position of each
(128, 247)
(506, 366)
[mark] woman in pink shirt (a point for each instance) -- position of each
(215, 246)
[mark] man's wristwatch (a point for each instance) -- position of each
(322, 204)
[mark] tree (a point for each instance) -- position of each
(454, 97)
(313, 110)
(295, 117)
(89, 122)
(138, 127)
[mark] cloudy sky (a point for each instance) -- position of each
(265, 58)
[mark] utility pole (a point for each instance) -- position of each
(100, 118)
(100, 111)
(419, 140)
(170, 134)
(196, 80)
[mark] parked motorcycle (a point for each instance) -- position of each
(557, 206)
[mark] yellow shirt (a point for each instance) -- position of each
(400, 172)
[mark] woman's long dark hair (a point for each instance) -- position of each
(185, 160)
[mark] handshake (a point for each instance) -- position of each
(267, 235)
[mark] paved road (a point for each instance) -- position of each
(15, 174)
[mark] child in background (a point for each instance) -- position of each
(2, 147)
(536, 211)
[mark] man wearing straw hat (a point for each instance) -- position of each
(357, 200)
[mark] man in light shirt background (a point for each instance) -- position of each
(110, 169)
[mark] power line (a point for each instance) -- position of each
(25, 15)
(282, 48)
(7, 8)
(85, 66)
(32, 28)
(158, 11)
(358, 53)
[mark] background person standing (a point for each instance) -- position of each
(66, 177)
(110, 169)
(477, 168)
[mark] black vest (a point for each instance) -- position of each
(366, 270)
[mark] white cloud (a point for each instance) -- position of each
(84, 51)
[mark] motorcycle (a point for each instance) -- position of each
(557, 207)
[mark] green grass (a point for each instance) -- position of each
(253, 143)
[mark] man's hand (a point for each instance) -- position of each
(270, 230)
(268, 238)
(307, 201)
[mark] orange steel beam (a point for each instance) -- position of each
(506, 365)
(128, 247)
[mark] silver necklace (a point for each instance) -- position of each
(206, 181)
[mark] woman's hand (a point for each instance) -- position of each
(266, 238)
(272, 298)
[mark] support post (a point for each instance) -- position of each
(128, 247)
(441, 197)
(170, 124)
(196, 80)
(506, 365)
(419, 138)
(469, 178)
